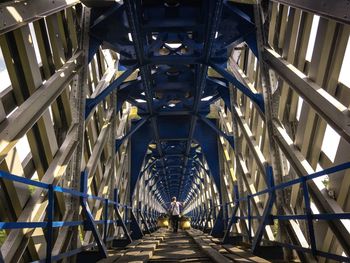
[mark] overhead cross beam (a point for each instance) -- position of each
(132, 8)
(202, 70)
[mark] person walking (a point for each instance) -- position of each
(175, 213)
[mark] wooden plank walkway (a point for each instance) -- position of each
(163, 246)
(138, 251)
(178, 247)
(234, 253)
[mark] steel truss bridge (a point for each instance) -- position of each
(239, 108)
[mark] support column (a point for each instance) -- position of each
(112, 148)
(237, 142)
(79, 88)
(271, 113)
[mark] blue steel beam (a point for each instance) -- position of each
(229, 138)
(133, 17)
(93, 102)
(257, 98)
(202, 69)
(140, 123)
(157, 89)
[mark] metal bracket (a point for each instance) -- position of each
(229, 138)
(92, 102)
(255, 97)
(120, 141)
(267, 210)
(136, 232)
(119, 217)
(89, 218)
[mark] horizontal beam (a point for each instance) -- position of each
(337, 10)
(16, 14)
(329, 108)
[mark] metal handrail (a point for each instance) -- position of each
(50, 223)
(308, 216)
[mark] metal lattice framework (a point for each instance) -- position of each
(238, 108)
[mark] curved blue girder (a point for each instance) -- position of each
(173, 44)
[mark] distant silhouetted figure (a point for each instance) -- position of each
(175, 213)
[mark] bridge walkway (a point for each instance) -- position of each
(164, 246)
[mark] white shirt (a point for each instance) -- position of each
(175, 207)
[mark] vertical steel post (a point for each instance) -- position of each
(239, 187)
(112, 147)
(78, 99)
(233, 218)
(267, 211)
(126, 210)
(49, 230)
(226, 215)
(310, 225)
(204, 217)
(116, 198)
(139, 211)
(212, 206)
(105, 232)
(120, 221)
(249, 219)
(89, 221)
(271, 112)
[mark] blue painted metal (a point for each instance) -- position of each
(309, 217)
(267, 211)
(200, 216)
(105, 226)
(229, 138)
(233, 218)
(93, 102)
(203, 213)
(139, 124)
(125, 208)
(143, 51)
(310, 226)
(335, 257)
(226, 215)
(255, 97)
(172, 92)
(143, 217)
(208, 216)
(90, 223)
(218, 228)
(136, 232)
(50, 210)
(249, 217)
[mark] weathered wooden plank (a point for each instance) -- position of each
(206, 248)
(244, 254)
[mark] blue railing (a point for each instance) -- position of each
(89, 223)
(267, 217)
